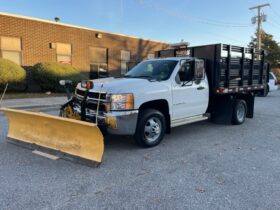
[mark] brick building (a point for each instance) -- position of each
(27, 41)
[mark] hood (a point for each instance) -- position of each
(123, 85)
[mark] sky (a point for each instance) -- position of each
(195, 21)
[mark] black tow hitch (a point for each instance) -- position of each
(83, 106)
(69, 104)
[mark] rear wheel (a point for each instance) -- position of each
(150, 128)
(239, 112)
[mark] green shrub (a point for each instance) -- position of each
(13, 74)
(48, 74)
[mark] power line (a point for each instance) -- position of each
(277, 23)
(273, 24)
(197, 19)
(274, 11)
(188, 18)
(276, 14)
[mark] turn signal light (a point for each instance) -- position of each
(87, 84)
(129, 105)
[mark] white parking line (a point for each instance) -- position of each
(46, 155)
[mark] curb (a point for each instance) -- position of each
(35, 106)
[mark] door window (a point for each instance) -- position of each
(270, 76)
(185, 74)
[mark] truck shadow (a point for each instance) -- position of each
(113, 142)
(119, 142)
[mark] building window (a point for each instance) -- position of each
(98, 58)
(125, 59)
(64, 53)
(11, 49)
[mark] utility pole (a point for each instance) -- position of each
(259, 18)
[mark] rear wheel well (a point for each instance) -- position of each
(160, 105)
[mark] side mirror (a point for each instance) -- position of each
(67, 85)
(199, 70)
(65, 82)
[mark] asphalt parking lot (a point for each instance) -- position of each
(198, 166)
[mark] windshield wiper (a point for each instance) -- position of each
(127, 76)
(150, 78)
(141, 76)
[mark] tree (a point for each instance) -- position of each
(270, 45)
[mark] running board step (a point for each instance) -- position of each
(188, 120)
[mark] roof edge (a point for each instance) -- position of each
(75, 26)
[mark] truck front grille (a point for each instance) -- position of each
(93, 106)
(92, 101)
(93, 95)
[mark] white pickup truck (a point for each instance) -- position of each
(217, 81)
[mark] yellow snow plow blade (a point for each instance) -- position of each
(69, 136)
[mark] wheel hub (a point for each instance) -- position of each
(152, 129)
(240, 112)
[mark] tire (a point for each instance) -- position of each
(239, 112)
(153, 121)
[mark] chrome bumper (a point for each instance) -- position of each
(121, 122)
(115, 122)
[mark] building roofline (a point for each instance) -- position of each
(74, 26)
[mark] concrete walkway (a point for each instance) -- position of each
(30, 103)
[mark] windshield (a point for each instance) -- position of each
(153, 69)
(271, 76)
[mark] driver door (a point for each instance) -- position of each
(189, 98)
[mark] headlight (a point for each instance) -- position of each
(122, 101)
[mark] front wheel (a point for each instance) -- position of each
(239, 112)
(150, 128)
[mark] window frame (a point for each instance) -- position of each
(20, 51)
(99, 63)
(125, 61)
(64, 54)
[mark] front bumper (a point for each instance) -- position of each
(121, 122)
(115, 122)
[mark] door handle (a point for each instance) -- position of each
(201, 88)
